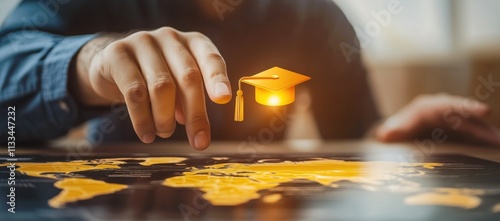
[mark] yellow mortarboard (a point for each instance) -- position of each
(273, 87)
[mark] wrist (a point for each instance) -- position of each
(79, 75)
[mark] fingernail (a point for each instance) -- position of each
(148, 137)
(164, 135)
(221, 89)
(201, 140)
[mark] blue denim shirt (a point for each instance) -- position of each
(33, 75)
(40, 38)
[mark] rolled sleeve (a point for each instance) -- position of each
(46, 110)
(61, 108)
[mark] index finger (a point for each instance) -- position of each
(212, 67)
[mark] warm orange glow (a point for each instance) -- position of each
(273, 87)
(275, 98)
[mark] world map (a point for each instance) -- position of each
(225, 183)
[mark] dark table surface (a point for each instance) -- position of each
(378, 181)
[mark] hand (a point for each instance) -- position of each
(459, 117)
(159, 75)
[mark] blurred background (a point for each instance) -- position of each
(427, 46)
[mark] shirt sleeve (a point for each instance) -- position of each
(34, 67)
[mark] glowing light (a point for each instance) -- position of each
(273, 100)
(273, 87)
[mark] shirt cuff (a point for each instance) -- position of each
(60, 106)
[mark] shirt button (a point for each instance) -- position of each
(63, 106)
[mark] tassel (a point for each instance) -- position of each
(238, 111)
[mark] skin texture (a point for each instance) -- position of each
(160, 75)
(461, 118)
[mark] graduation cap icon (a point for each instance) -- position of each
(273, 87)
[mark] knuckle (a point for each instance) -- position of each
(167, 31)
(214, 56)
(218, 77)
(191, 76)
(196, 34)
(135, 92)
(117, 47)
(161, 84)
(143, 37)
(199, 120)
